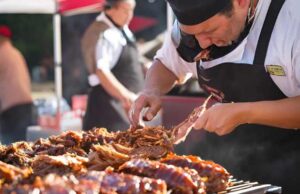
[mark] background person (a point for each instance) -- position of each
(112, 60)
(16, 108)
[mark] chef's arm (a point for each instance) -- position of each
(283, 113)
(159, 79)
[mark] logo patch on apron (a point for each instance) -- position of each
(276, 70)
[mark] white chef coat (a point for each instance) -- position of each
(108, 48)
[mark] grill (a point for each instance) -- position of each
(247, 187)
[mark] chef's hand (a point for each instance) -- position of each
(127, 101)
(150, 100)
(222, 118)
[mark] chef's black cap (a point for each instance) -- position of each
(191, 12)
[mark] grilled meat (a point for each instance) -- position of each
(68, 142)
(111, 182)
(10, 173)
(50, 184)
(151, 152)
(216, 177)
(66, 164)
(104, 182)
(176, 178)
(103, 156)
(44, 164)
(145, 137)
(69, 139)
(19, 154)
(96, 136)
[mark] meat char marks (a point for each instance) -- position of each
(177, 179)
(215, 177)
(104, 182)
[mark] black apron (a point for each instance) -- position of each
(105, 111)
(251, 152)
(14, 122)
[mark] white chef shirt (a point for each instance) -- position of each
(283, 50)
(108, 48)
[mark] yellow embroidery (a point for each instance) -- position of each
(276, 70)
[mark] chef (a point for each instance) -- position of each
(116, 74)
(246, 53)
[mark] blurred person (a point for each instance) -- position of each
(44, 72)
(112, 59)
(15, 97)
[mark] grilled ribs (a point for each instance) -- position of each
(104, 182)
(216, 177)
(177, 179)
(120, 183)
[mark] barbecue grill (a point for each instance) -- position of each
(171, 172)
(247, 187)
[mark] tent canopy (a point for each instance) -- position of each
(67, 7)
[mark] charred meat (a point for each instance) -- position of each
(216, 177)
(176, 178)
(10, 173)
(44, 164)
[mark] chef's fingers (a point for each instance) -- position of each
(135, 111)
(201, 122)
(152, 111)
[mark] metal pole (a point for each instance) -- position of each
(57, 61)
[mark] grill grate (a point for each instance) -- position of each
(247, 187)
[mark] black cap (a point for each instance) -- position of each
(191, 12)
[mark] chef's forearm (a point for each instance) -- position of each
(159, 79)
(280, 113)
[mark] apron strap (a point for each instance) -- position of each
(266, 32)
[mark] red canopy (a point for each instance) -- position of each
(50, 6)
(80, 6)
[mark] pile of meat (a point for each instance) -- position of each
(132, 161)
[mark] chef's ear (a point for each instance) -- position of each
(238, 4)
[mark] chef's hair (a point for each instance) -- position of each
(228, 9)
(112, 3)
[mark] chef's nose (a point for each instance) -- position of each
(204, 41)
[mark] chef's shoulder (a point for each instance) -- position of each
(292, 7)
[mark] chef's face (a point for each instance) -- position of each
(221, 29)
(123, 12)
